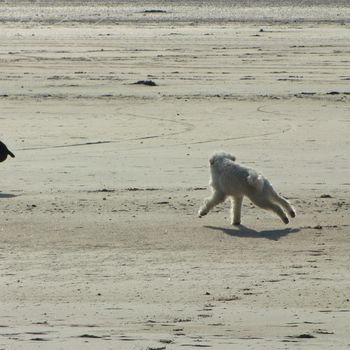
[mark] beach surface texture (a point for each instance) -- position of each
(113, 111)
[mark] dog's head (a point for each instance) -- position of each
(218, 157)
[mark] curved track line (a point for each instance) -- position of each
(287, 129)
(239, 137)
(188, 127)
(261, 110)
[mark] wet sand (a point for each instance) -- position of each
(101, 246)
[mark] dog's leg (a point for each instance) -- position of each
(236, 208)
(278, 210)
(211, 202)
(284, 202)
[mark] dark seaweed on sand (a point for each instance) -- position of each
(146, 82)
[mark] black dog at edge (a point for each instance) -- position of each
(4, 152)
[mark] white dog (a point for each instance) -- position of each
(229, 179)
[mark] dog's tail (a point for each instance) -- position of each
(256, 180)
(10, 153)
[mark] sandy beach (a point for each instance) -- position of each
(101, 246)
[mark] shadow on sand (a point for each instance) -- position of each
(243, 231)
(7, 195)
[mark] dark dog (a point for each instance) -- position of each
(4, 152)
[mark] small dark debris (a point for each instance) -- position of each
(333, 93)
(326, 196)
(43, 322)
(154, 11)
(247, 77)
(322, 331)
(180, 320)
(302, 336)
(146, 82)
(141, 189)
(105, 190)
(38, 339)
(289, 341)
(249, 338)
(308, 93)
(124, 338)
(89, 336)
(197, 345)
(318, 227)
(306, 336)
(230, 298)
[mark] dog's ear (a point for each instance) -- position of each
(233, 158)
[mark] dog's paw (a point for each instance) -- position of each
(202, 212)
(292, 213)
(285, 220)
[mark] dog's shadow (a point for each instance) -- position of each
(7, 195)
(243, 231)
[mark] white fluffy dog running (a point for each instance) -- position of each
(229, 179)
